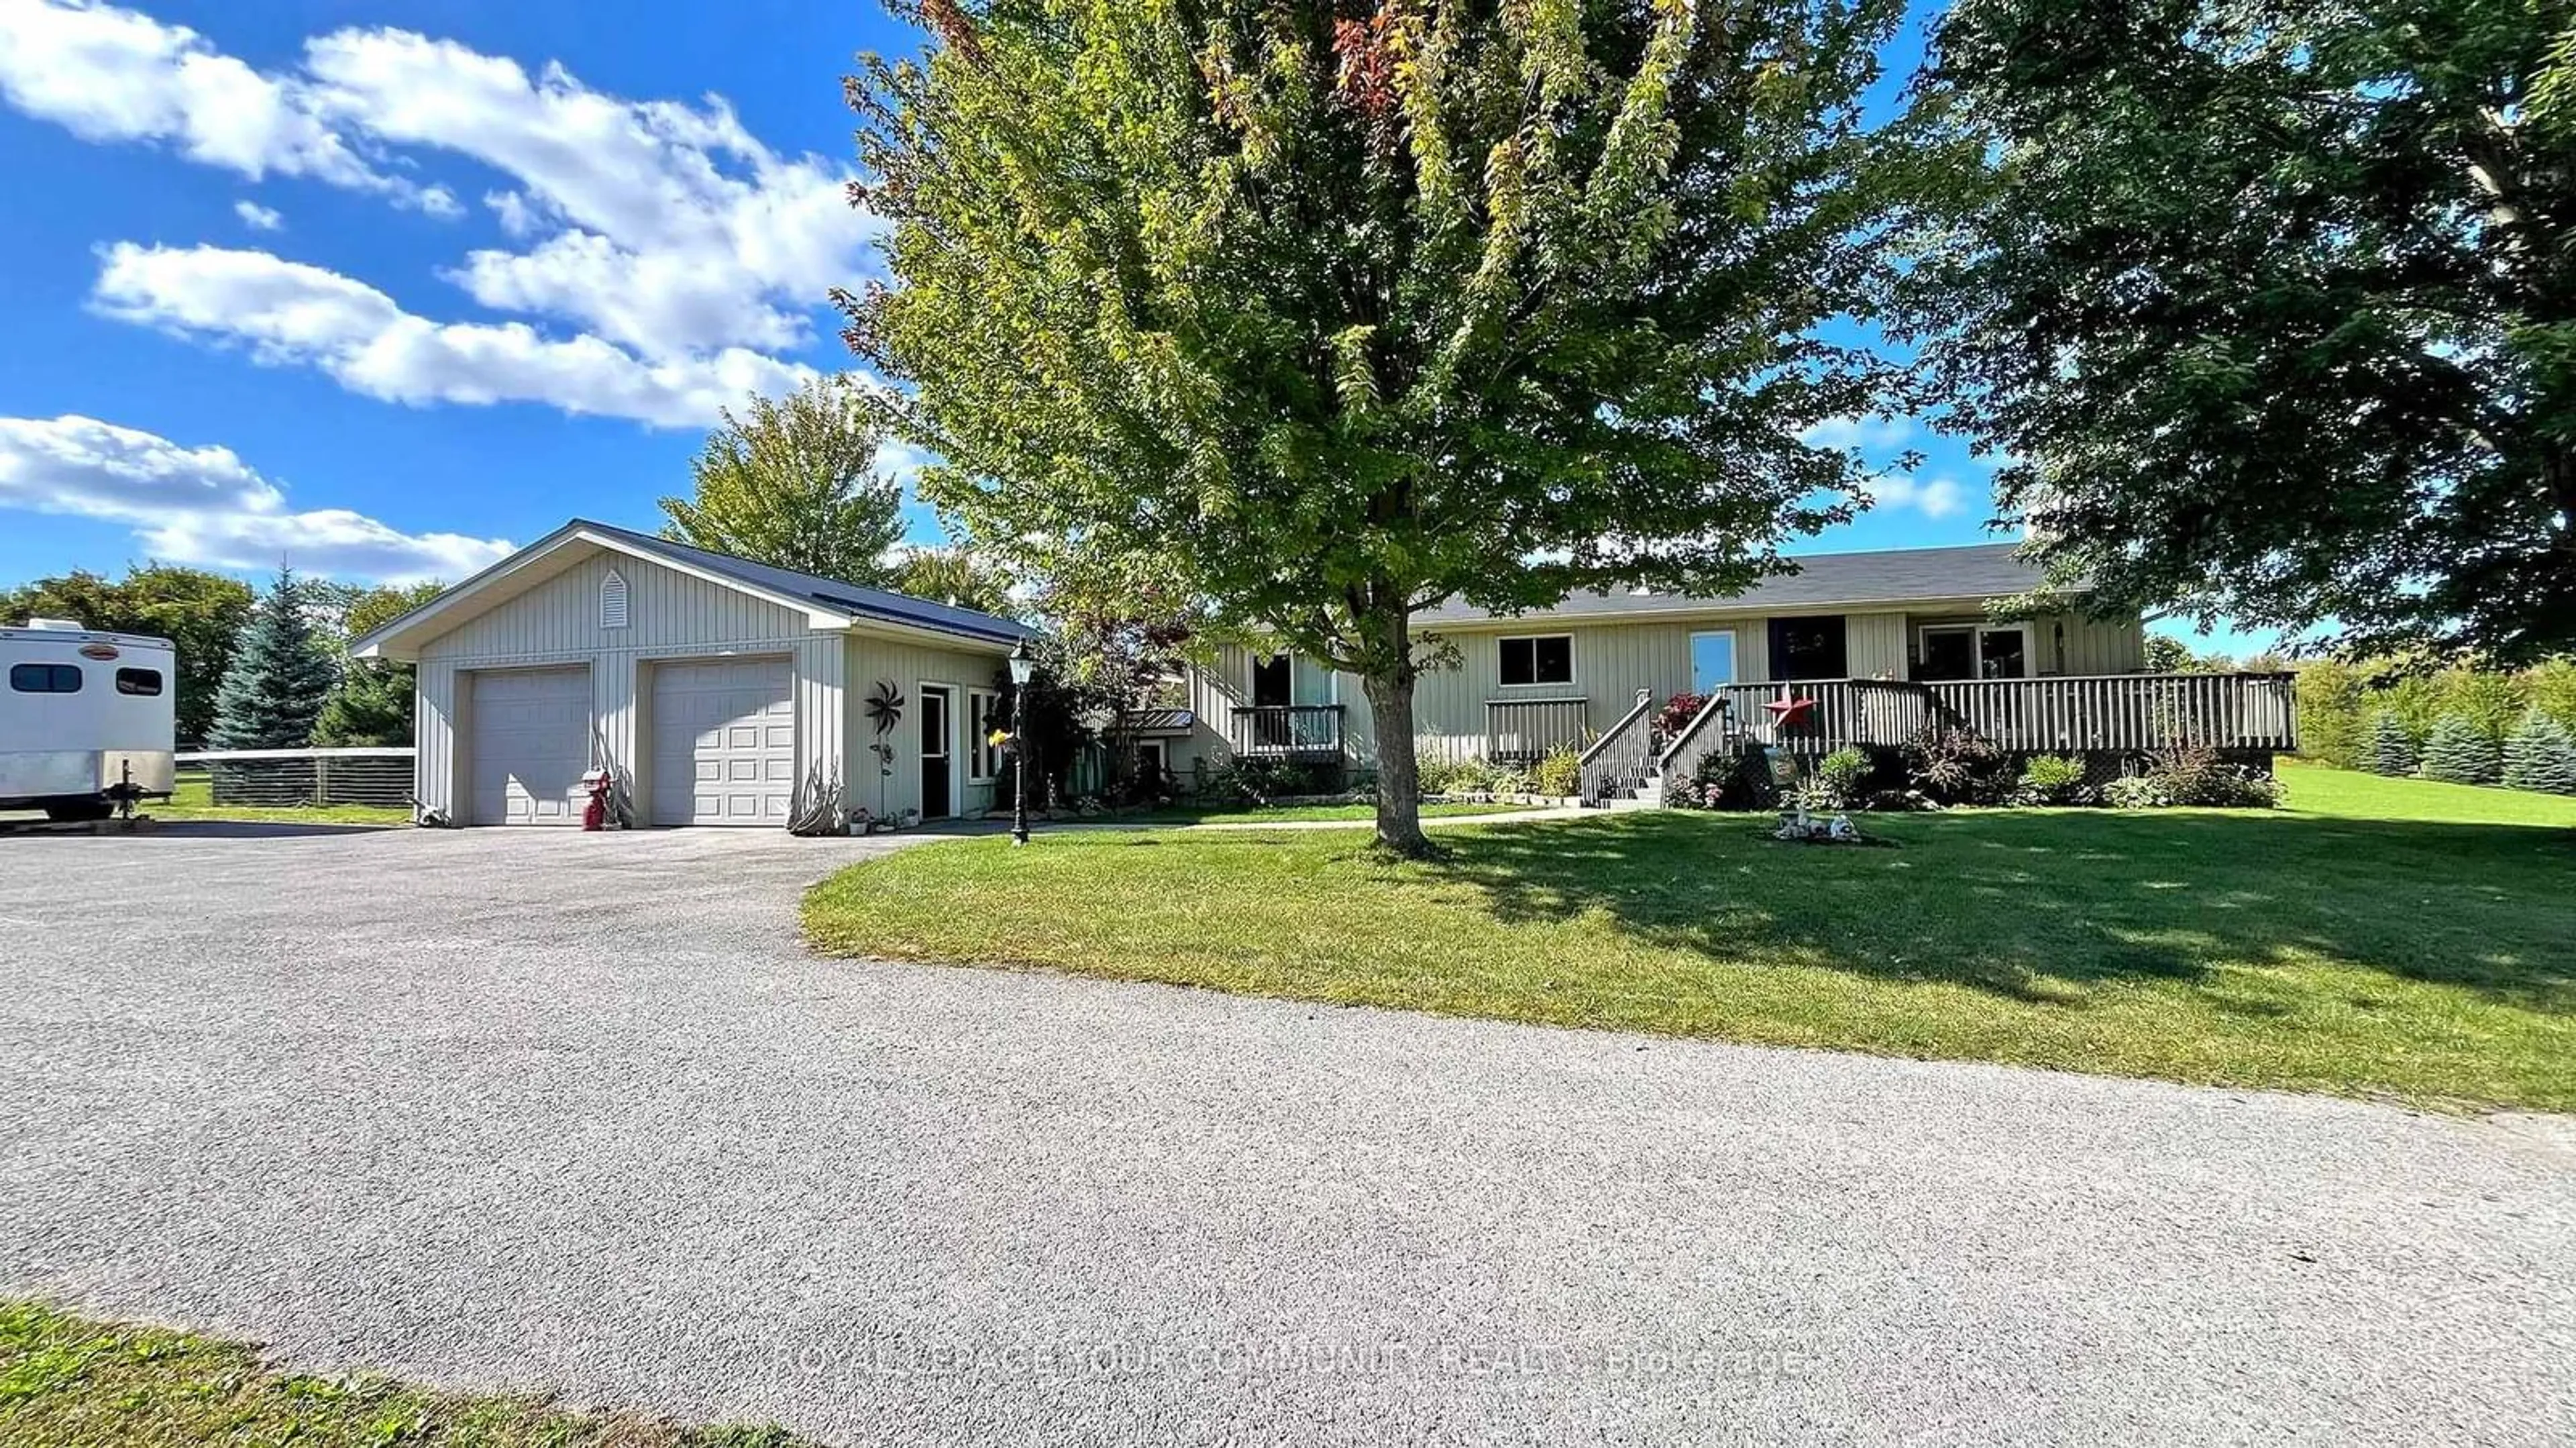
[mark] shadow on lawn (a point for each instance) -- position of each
(2034, 905)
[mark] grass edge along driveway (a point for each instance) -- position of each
(69, 1382)
(2378, 937)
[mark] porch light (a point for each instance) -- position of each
(1022, 666)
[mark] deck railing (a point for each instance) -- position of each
(2109, 713)
(1620, 758)
(1518, 731)
(1710, 731)
(1289, 731)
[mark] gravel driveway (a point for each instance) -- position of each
(527, 1109)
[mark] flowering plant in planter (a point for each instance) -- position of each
(1674, 717)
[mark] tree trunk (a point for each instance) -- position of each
(1399, 791)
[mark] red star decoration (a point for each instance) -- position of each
(1788, 713)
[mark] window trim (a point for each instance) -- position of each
(983, 759)
(1976, 630)
(1501, 641)
(1252, 663)
(53, 673)
(1778, 624)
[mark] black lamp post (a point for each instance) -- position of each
(1022, 666)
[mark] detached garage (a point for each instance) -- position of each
(715, 691)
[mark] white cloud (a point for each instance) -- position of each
(1869, 434)
(289, 313)
(1933, 497)
(109, 74)
(668, 227)
(663, 226)
(258, 217)
(205, 505)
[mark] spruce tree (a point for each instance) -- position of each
(279, 677)
(2540, 755)
(2461, 752)
(2391, 749)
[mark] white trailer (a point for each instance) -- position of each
(87, 719)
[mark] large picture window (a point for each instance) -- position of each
(1973, 651)
(1808, 648)
(1548, 659)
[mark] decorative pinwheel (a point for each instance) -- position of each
(885, 706)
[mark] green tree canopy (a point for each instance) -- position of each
(956, 575)
(374, 701)
(2271, 304)
(1332, 313)
(793, 485)
(281, 672)
(199, 612)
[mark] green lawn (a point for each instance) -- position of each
(2376, 937)
(1294, 813)
(193, 801)
(66, 1382)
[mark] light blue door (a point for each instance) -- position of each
(1712, 660)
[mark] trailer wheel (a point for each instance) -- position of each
(79, 811)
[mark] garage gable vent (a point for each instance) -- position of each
(612, 601)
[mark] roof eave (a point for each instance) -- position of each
(401, 638)
(1713, 609)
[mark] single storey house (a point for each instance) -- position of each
(1877, 644)
(715, 690)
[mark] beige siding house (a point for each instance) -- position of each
(1519, 685)
(714, 689)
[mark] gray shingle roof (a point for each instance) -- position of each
(850, 598)
(1823, 580)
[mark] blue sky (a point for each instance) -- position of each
(381, 289)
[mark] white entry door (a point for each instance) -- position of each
(530, 745)
(724, 742)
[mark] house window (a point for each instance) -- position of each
(1273, 679)
(1712, 659)
(984, 714)
(1548, 659)
(612, 601)
(1973, 651)
(45, 678)
(1808, 648)
(146, 682)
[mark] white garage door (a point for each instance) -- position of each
(530, 746)
(724, 743)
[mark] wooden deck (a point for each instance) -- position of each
(1523, 731)
(2106, 714)
(1305, 732)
